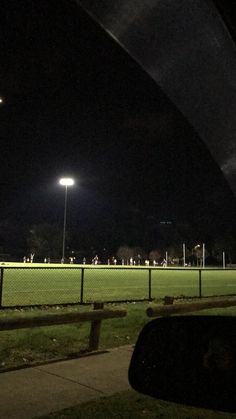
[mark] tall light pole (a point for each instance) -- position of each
(203, 255)
(184, 254)
(65, 182)
(196, 251)
(223, 255)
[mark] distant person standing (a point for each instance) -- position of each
(164, 263)
(114, 260)
(95, 260)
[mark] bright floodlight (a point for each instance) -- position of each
(66, 181)
(1, 100)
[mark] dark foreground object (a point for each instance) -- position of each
(188, 360)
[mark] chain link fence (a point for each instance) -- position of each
(34, 285)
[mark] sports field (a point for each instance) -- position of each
(30, 284)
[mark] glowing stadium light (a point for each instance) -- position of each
(66, 181)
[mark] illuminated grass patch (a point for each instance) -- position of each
(31, 284)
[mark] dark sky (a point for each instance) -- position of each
(186, 47)
(76, 104)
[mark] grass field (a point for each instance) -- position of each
(31, 284)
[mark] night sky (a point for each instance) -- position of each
(76, 104)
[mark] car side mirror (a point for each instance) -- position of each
(189, 360)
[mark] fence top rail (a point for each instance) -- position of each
(115, 267)
(58, 318)
(169, 310)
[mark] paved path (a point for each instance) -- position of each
(33, 392)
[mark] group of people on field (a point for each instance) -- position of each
(110, 261)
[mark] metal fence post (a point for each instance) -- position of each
(200, 283)
(1, 285)
(149, 284)
(82, 287)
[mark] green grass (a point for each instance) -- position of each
(54, 284)
(131, 405)
(26, 346)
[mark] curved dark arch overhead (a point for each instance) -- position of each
(186, 47)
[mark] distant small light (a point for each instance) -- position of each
(66, 181)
